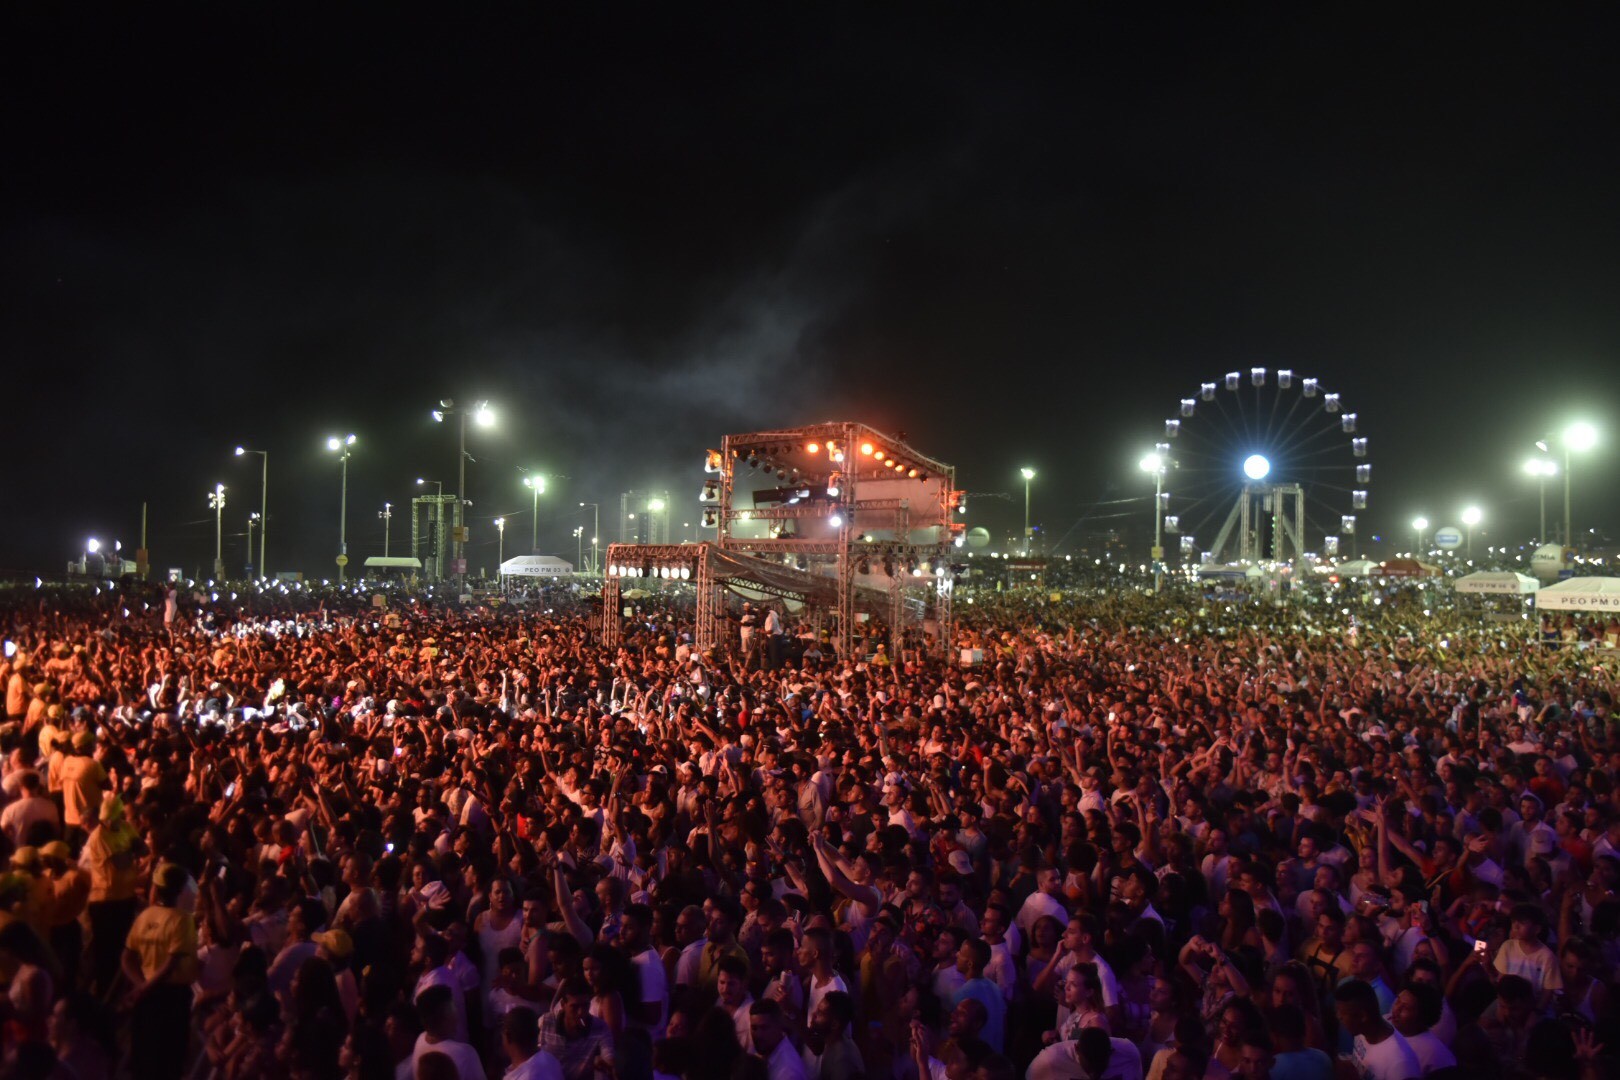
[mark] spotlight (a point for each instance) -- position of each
(912, 474)
(837, 521)
(864, 566)
(866, 448)
(877, 455)
(812, 448)
(753, 461)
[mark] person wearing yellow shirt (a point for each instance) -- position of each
(34, 908)
(110, 856)
(70, 892)
(83, 780)
(160, 962)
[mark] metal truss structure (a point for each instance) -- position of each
(433, 518)
(839, 517)
(1247, 517)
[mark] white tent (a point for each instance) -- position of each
(536, 566)
(1581, 594)
(1354, 568)
(1496, 581)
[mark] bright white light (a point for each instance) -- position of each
(656, 505)
(1256, 467)
(485, 416)
(1472, 515)
(439, 416)
(240, 450)
(333, 443)
(1152, 463)
(92, 545)
(1541, 467)
(1027, 473)
(1420, 523)
(837, 521)
(1580, 436)
(349, 441)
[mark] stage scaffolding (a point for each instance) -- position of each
(838, 517)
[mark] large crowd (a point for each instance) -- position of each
(1111, 837)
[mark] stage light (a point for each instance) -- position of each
(837, 521)
(1256, 467)
(686, 573)
(812, 448)
(912, 474)
(867, 449)
(864, 566)
(877, 455)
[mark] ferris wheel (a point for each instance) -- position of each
(1262, 466)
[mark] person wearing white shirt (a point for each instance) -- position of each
(1045, 900)
(520, 1042)
(1414, 1014)
(768, 1032)
(437, 1007)
(1092, 1056)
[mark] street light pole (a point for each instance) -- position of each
(216, 500)
(343, 448)
(579, 547)
(1154, 463)
(1578, 436)
(536, 484)
(596, 525)
(1420, 524)
(1028, 474)
(253, 519)
(264, 504)
(485, 418)
(1471, 516)
(500, 552)
(387, 515)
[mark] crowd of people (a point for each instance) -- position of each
(1131, 837)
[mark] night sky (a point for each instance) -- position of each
(1017, 239)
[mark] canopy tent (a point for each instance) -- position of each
(1496, 582)
(381, 562)
(1408, 568)
(536, 566)
(1581, 594)
(1354, 568)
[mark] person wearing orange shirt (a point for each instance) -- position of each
(70, 892)
(110, 856)
(83, 781)
(160, 961)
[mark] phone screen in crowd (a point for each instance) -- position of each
(11, 649)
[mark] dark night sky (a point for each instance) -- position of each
(1017, 239)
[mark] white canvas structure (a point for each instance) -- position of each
(536, 566)
(1355, 568)
(1581, 594)
(1496, 582)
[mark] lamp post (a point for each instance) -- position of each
(500, 551)
(264, 503)
(1420, 525)
(579, 547)
(343, 447)
(1154, 463)
(253, 519)
(387, 515)
(216, 502)
(1580, 437)
(1471, 516)
(1028, 474)
(1541, 469)
(438, 485)
(484, 417)
(536, 485)
(596, 525)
